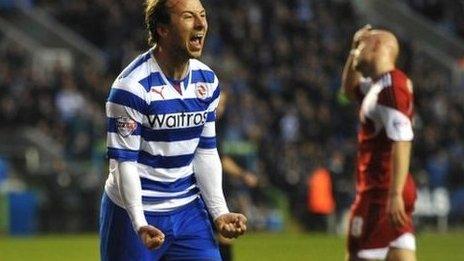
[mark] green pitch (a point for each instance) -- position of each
(254, 246)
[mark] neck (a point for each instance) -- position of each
(172, 66)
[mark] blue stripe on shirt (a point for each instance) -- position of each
(202, 76)
(216, 94)
(211, 116)
(177, 105)
(207, 143)
(152, 80)
(191, 192)
(165, 162)
(176, 186)
(122, 154)
(128, 99)
(167, 135)
(112, 126)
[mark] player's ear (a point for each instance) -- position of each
(162, 30)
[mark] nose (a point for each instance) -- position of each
(200, 22)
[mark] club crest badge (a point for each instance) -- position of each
(201, 91)
(126, 126)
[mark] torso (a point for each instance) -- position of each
(386, 99)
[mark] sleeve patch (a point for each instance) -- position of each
(397, 125)
(126, 126)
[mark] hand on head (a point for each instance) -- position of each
(359, 35)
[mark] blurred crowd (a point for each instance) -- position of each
(280, 63)
(449, 14)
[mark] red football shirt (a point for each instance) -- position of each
(386, 110)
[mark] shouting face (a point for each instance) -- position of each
(186, 32)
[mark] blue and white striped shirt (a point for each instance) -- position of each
(151, 123)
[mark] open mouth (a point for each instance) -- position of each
(197, 40)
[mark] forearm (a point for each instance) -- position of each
(130, 190)
(208, 172)
(401, 152)
(350, 77)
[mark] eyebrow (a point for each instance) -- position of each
(203, 11)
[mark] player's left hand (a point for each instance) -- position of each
(231, 225)
(396, 211)
(359, 35)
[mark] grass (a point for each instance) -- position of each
(54, 247)
(254, 246)
(289, 247)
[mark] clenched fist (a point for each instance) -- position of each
(231, 225)
(151, 237)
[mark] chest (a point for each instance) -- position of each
(169, 109)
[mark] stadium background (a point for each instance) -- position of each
(280, 63)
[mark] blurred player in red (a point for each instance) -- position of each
(381, 216)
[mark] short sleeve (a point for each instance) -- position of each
(397, 125)
(395, 104)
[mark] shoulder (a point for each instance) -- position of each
(397, 92)
(202, 73)
(401, 81)
(132, 77)
(205, 81)
(199, 65)
(138, 67)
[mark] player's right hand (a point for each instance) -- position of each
(151, 237)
